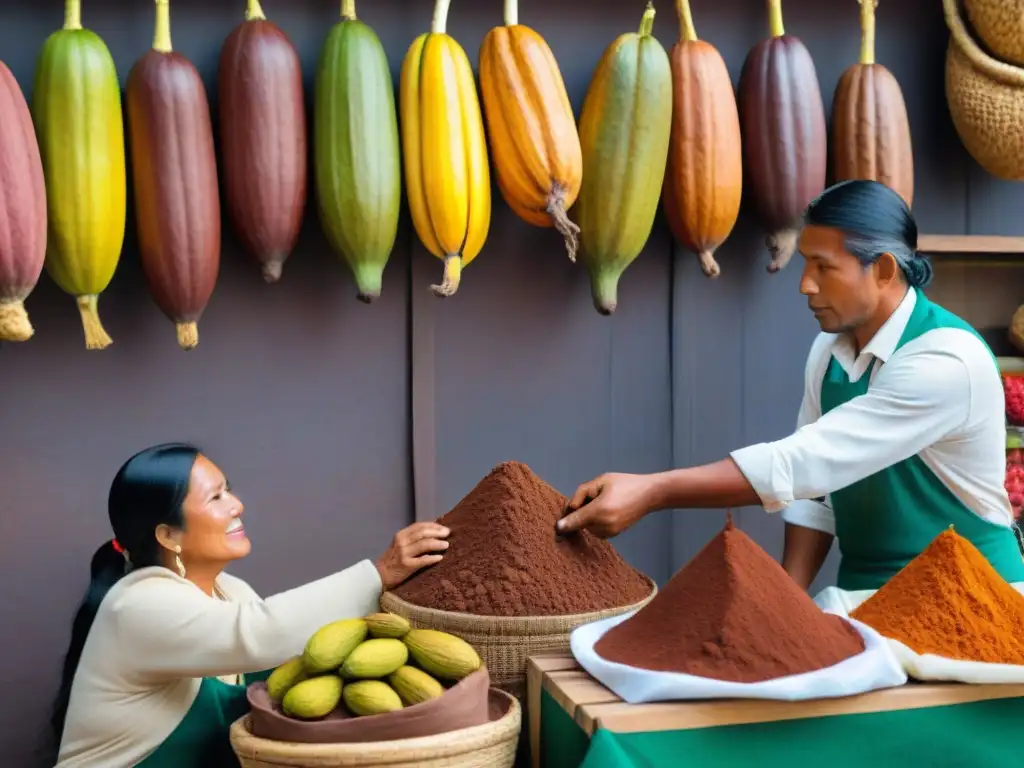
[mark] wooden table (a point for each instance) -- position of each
(992, 716)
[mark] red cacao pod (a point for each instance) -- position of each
(784, 136)
(22, 210)
(263, 139)
(870, 127)
(704, 177)
(177, 207)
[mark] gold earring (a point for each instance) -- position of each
(177, 561)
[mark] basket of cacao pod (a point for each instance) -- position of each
(986, 101)
(509, 585)
(374, 692)
(1000, 26)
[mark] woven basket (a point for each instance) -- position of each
(1000, 25)
(492, 745)
(986, 101)
(505, 642)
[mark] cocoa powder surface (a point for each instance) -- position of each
(505, 558)
(731, 614)
(949, 601)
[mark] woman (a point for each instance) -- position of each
(165, 641)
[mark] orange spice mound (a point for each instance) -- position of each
(950, 602)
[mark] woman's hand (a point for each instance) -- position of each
(413, 548)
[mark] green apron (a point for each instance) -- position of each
(201, 738)
(887, 519)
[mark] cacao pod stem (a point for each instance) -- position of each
(72, 14)
(254, 11)
(687, 31)
(439, 22)
(96, 336)
(775, 26)
(369, 278)
(782, 246)
(604, 287)
(14, 322)
(566, 228)
(348, 10)
(867, 31)
(709, 264)
(511, 13)
(188, 335)
(162, 28)
(647, 21)
(452, 266)
(272, 270)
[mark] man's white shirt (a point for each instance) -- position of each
(939, 396)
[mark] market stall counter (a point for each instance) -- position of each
(575, 722)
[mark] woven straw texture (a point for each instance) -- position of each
(505, 642)
(986, 101)
(492, 745)
(1000, 26)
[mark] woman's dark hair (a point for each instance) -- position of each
(875, 220)
(148, 491)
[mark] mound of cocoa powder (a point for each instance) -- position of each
(733, 614)
(505, 559)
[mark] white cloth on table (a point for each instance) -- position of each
(927, 667)
(874, 668)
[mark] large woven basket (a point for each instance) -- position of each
(503, 642)
(1000, 26)
(492, 745)
(986, 101)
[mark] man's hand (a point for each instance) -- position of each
(619, 501)
(413, 548)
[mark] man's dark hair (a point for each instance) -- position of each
(875, 220)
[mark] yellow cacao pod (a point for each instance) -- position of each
(328, 648)
(285, 677)
(441, 654)
(314, 698)
(414, 686)
(375, 658)
(387, 625)
(371, 697)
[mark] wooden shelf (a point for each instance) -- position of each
(971, 245)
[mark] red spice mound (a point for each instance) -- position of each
(506, 560)
(731, 614)
(949, 601)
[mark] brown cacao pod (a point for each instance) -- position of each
(870, 127)
(22, 210)
(177, 208)
(263, 140)
(784, 136)
(704, 177)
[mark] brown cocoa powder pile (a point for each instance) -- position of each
(505, 558)
(732, 614)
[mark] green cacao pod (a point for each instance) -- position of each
(358, 163)
(76, 105)
(625, 128)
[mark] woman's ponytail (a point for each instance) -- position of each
(107, 568)
(147, 492)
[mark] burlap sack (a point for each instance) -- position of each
(464, 705)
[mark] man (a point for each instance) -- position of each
(901, 431)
